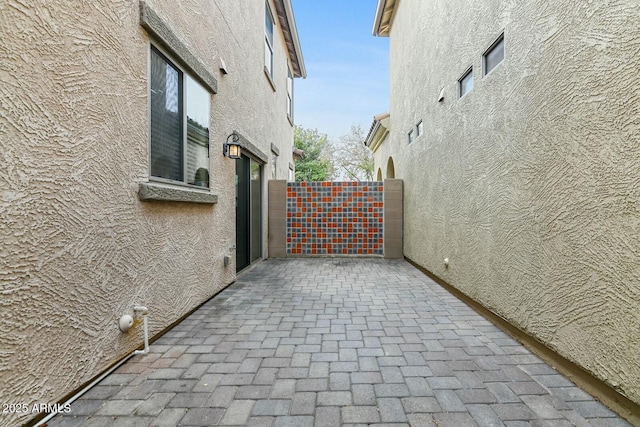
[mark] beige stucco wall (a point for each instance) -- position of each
(381, 157)
(529, 184)
(78, 249)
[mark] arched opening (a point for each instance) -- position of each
(379, 176)
(391, 171)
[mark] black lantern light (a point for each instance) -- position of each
(232, 149)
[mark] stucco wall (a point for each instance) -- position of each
(78, 248)
(529, 184)
(381, 157)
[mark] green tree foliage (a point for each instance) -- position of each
(316, 165)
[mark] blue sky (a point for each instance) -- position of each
(347, 68)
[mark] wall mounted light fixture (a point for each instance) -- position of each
(232, 149)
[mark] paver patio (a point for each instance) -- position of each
(336, 342)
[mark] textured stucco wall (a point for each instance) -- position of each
(246, 101)
(381, 157)
(78, 249)
(529, 184)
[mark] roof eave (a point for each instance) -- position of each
(384, 17)
(298, 154)
(284, 10)
(378, 131)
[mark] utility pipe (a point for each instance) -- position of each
(84, 390)
(144, 311)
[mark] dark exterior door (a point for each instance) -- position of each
(248, 212)
(255, 241)
(242, 213)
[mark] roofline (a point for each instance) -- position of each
(372, 131)
(371, 141)
(298, 153)
(284, 10)
(384, 17)
(378, 17)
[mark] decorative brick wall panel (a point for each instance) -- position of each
(335, 218)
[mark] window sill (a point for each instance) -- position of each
(150, 191)
(266, 73)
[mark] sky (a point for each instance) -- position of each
(347, 67)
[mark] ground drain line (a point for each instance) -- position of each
(84, 390)
(145, 312)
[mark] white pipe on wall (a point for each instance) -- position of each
(142, 310)
(84, 390)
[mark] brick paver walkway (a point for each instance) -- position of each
(330, 342)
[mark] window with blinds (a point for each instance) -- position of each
(180, 114)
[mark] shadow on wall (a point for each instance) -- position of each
(391, 170)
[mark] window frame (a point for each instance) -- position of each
(175, 63)
(419, 129)
(494, 45)
(467, 73)
(410, 136)
(268, 43)
(289, 94)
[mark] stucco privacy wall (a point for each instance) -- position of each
(79, 248)
(529, 184)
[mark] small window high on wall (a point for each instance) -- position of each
(268, 40)
(465, 83)
(494, 55)
(289, 94)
